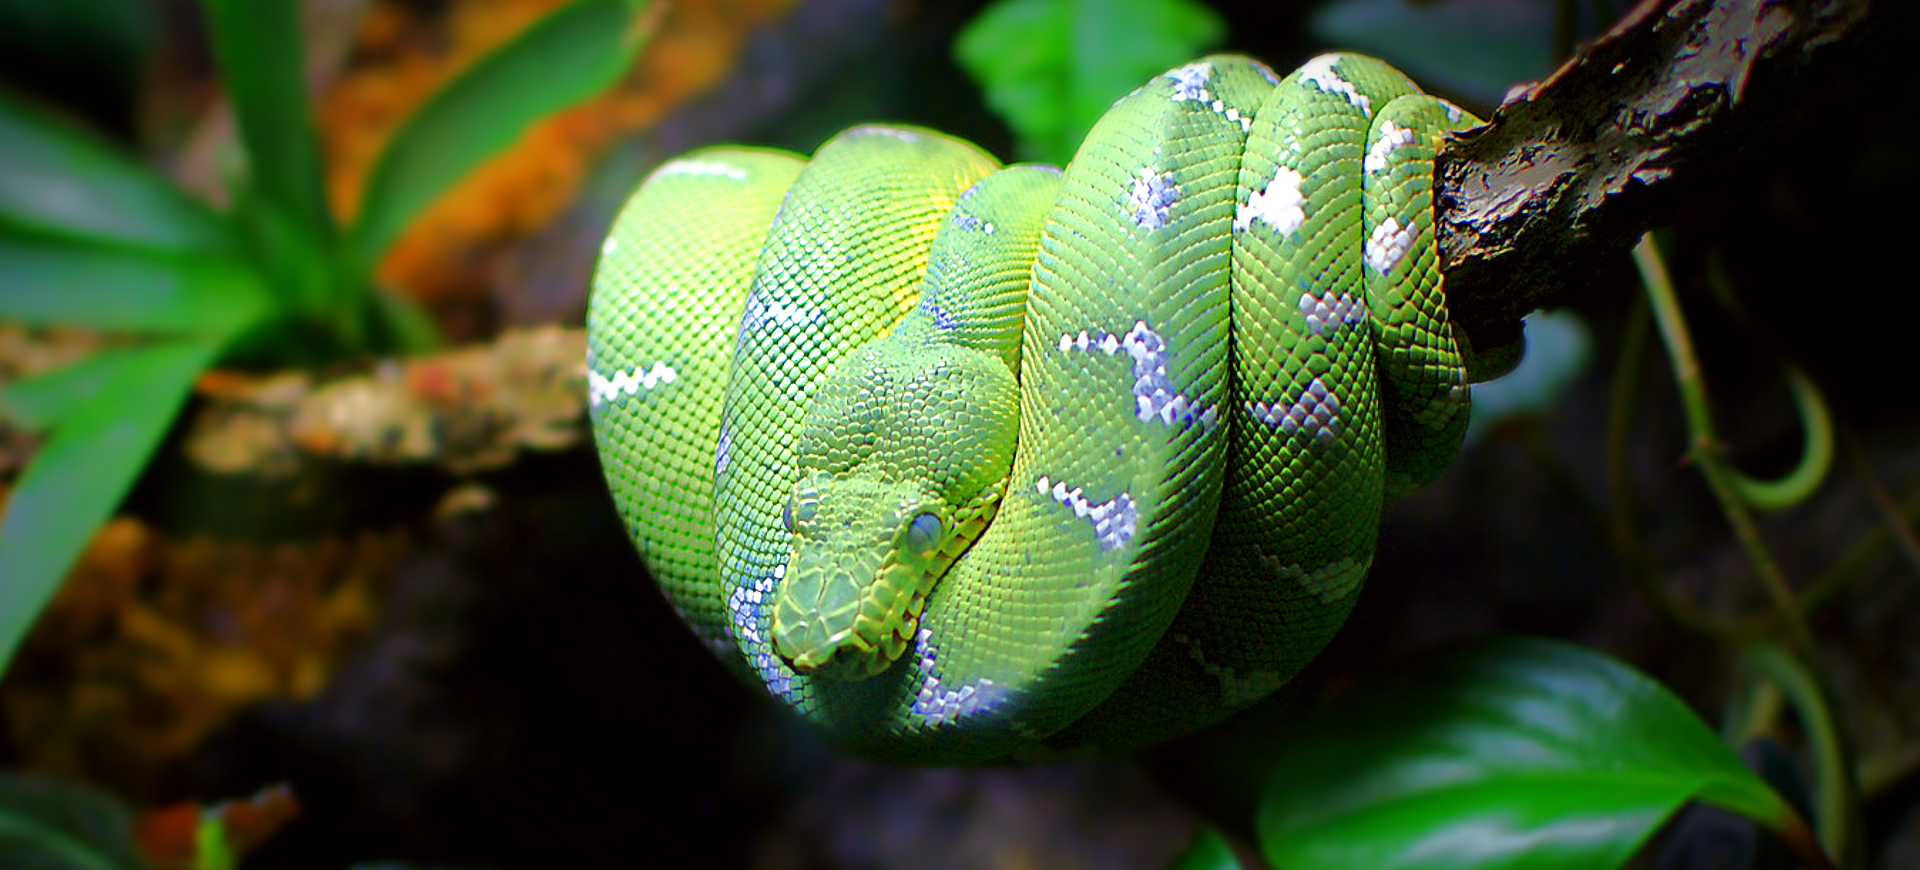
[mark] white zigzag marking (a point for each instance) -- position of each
(701, 167)
(1280, 206)
(1320, 71)
(1387, 244)
(1317, 411)
(1391, 136)
(1153, 394)
(1113, 520)
(1332, 311)
(602, 389)
(1152, 196)
(942, 706)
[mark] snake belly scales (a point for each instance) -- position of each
(962, 462)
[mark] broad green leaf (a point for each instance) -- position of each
(82, 472)
(57, 179)
(1475, 51)
(570, 55)
(54, 282)
(49, 824)
(257, 47)
(1505, 753)
(1051, 68)
(1209, 851)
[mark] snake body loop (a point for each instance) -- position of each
(963, 462)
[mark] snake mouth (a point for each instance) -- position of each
(845, 617)
(850, 614)
(838, 659)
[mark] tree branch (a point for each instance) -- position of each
(1571, 170)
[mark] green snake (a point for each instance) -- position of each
(963, 462)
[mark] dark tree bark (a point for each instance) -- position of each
(1570, 171)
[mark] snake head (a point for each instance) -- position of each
(904, 453)
(865, 554)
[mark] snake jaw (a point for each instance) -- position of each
(862, 645)
(863, 556)
(849, 604)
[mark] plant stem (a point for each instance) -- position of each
(1836, 791)
(1706, 445)
(1626, 536)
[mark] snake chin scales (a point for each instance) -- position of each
(862, 562)
(861, 565)
(964, 462)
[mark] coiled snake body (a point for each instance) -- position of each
(964, 462)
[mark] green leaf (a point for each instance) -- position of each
(1051, 68)
(82, 472)
(258, 50)
(1475, 51)
(400, 324)
(55, 282)
(43, 401)
(1504, 753)
(1208, 852)
(570, 55)
(57, 179)
(212, 848)
(298, 265)
(48, 824)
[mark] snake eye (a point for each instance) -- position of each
(799, 510)
(923, 534)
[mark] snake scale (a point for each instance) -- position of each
(962, 462)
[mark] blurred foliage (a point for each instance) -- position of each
(94, 239)
(48, 824)
(1208, 852)
(219, 836)
(53, 824)
(404, 53)
(151, 644)
(1051, 68)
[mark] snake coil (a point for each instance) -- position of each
(963, 462)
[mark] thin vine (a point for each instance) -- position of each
(1784, 671)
